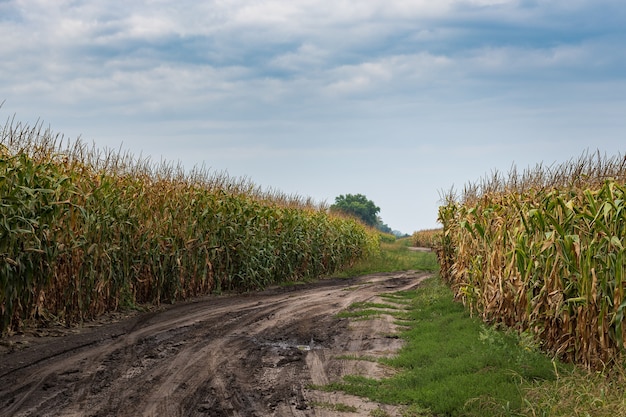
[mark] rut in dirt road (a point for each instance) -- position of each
(240, 355)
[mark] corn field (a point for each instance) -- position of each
(84, 231)
(428, 238)
(544, 252)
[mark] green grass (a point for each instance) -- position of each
(379, 413)
(340, 407)
(358, 305)
(366, 310)
(453, 365)
(360, 314)
(393, 257)
(578, 393)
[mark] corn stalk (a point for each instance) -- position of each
(545, 253)
(84, 231)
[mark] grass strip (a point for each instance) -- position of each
(393, 257)
(442, 339)
(578, 393)
(339, 407)
(454, 365)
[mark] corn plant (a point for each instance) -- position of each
(428, 238)
(544, 252)
(84, 231)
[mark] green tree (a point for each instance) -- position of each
(383, 227)
(359, 206)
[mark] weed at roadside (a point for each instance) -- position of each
(379, 413)
(578, 393)
(453, 365)
(340, 407)
(393, 257)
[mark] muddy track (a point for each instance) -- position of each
(245, 355)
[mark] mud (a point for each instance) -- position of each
(245, 355)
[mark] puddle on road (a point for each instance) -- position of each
(282, 345)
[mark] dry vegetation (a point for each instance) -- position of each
(544, 252)
(428, 238)
(84, 231)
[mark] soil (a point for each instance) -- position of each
(257, 354)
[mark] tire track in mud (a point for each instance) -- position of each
(245, 355)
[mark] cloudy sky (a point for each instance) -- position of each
(395, 99)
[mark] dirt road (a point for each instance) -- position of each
(244, 355)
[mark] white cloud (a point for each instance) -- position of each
(276, 80)
(520, 60)
(304, 58)
(488, 2)
(403, 70)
